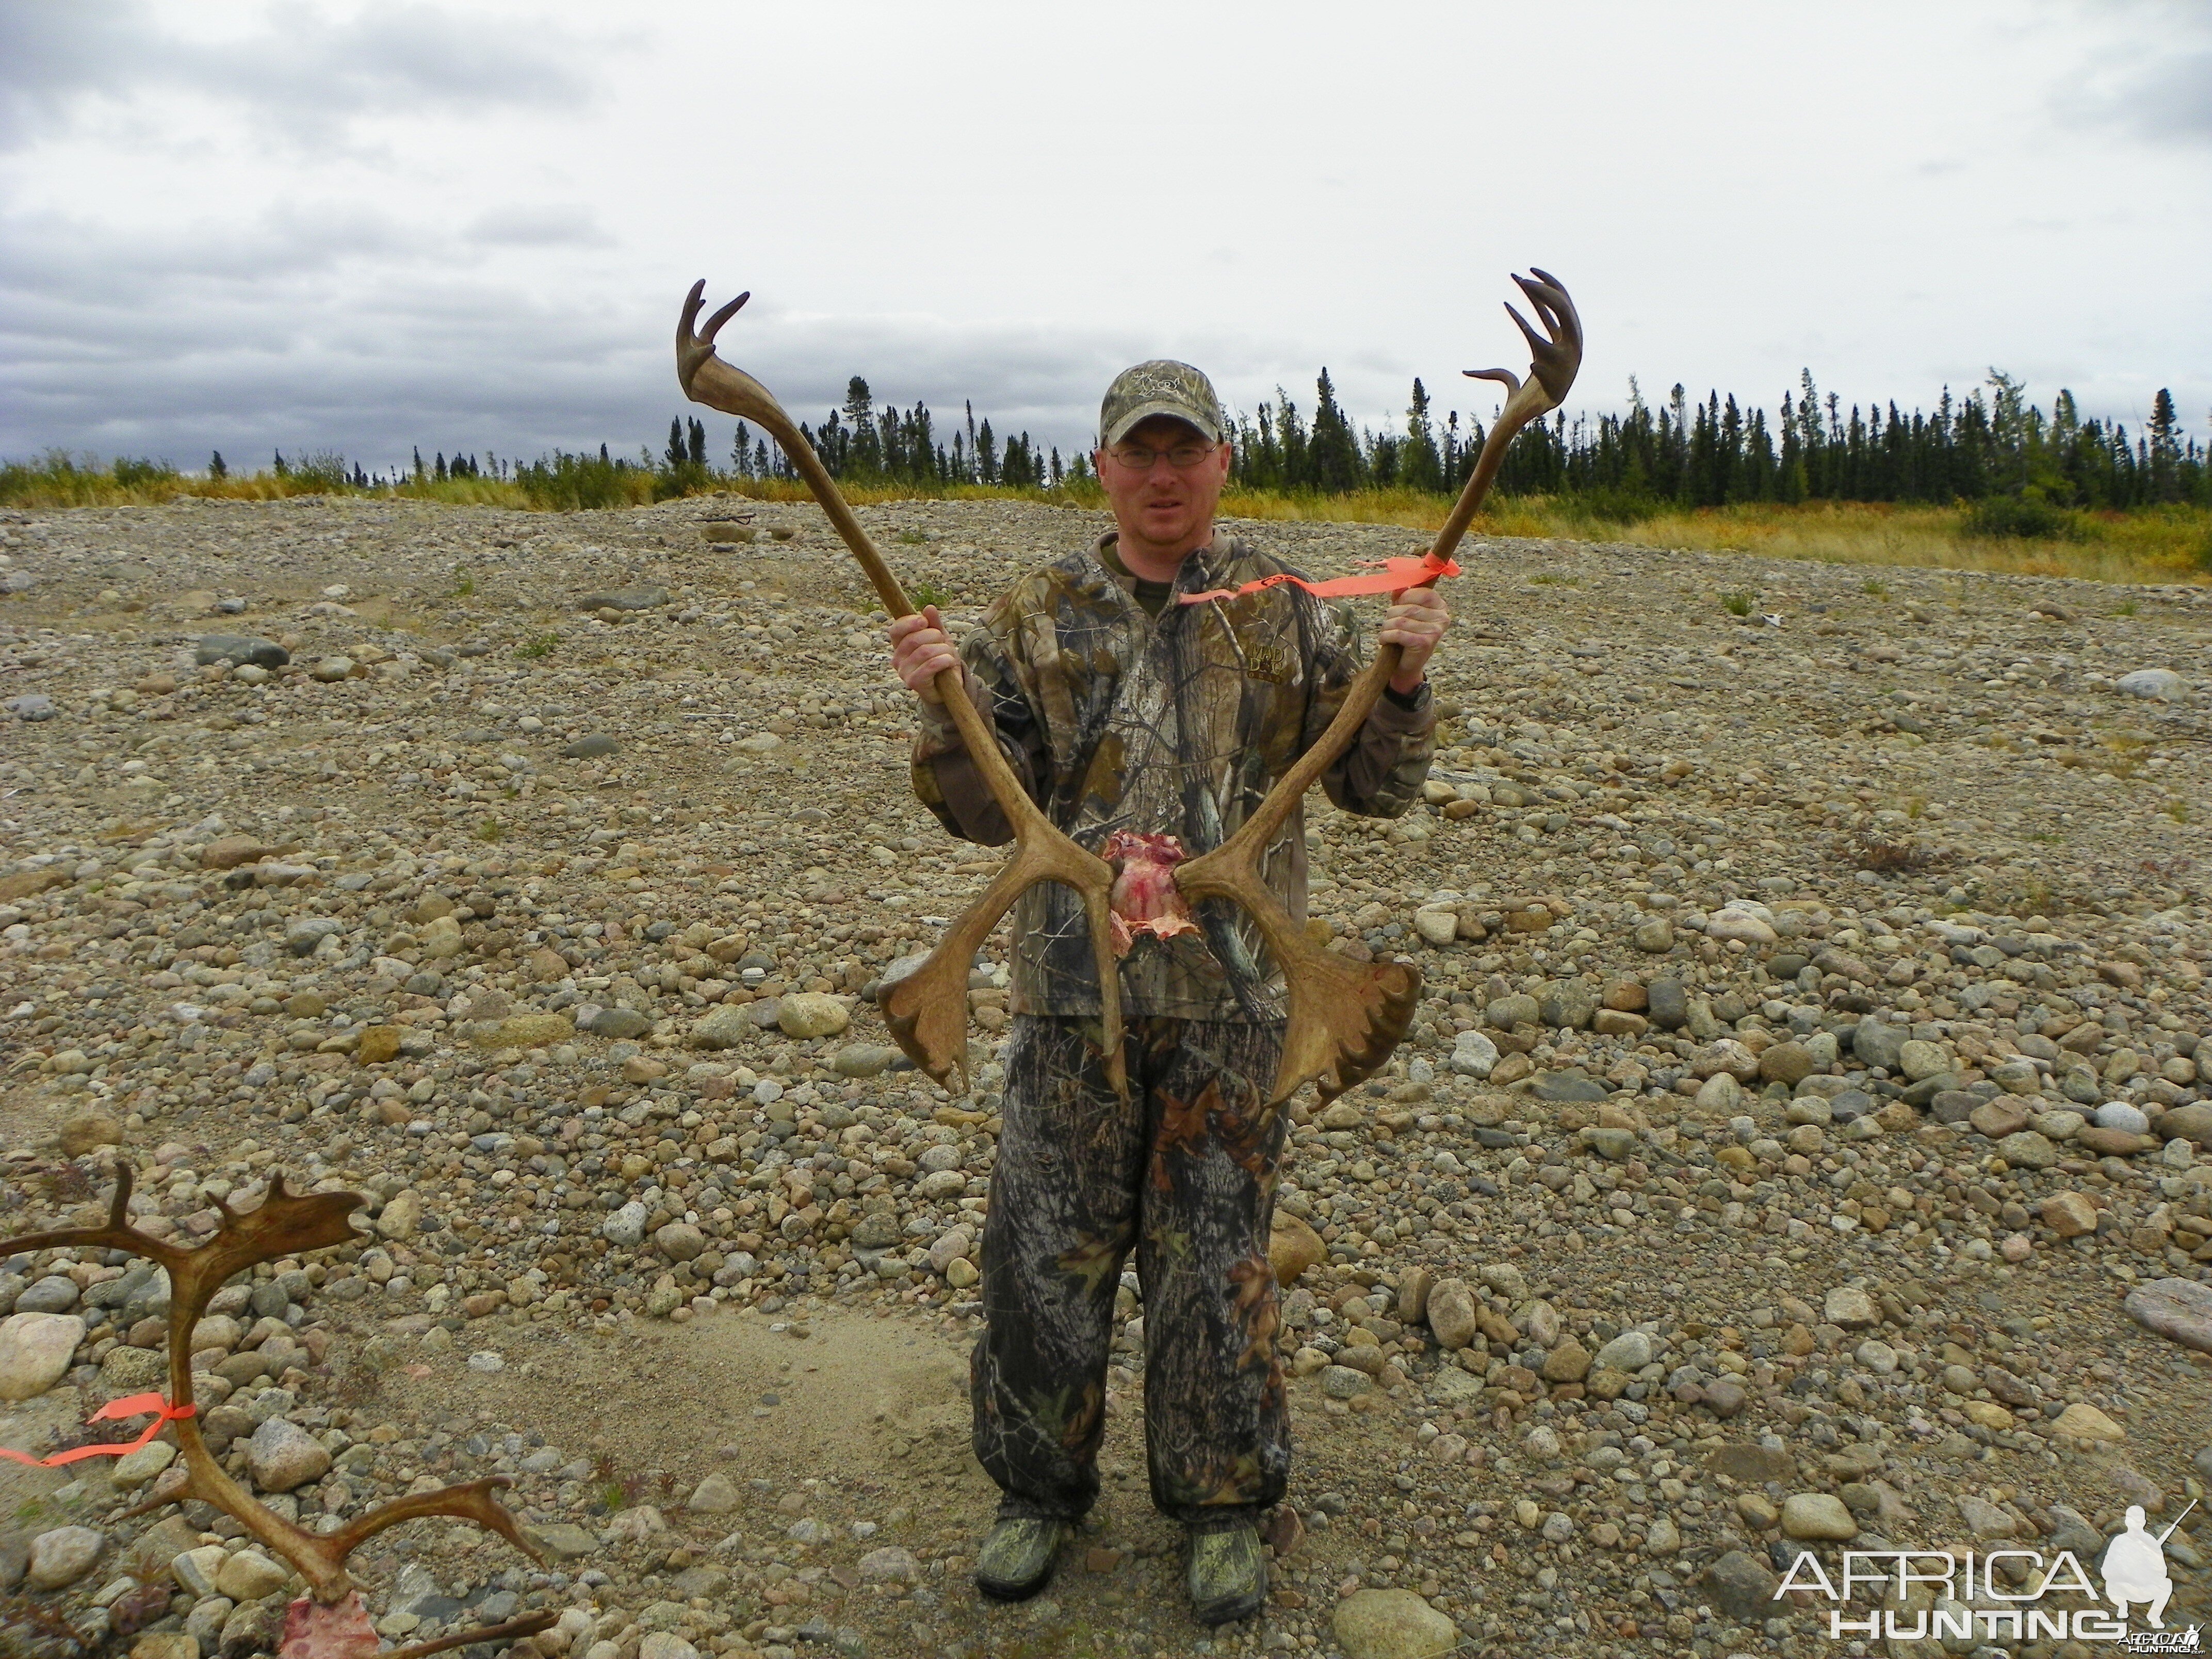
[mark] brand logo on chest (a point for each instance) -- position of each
(1266, 660)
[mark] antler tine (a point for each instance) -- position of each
(513, 1631)
(1556, 360)
(926, 1012)
(116, 1234)
(472, 1500)
(1547, 291)
(1540, 302)
(1537, 343)
(1344, 1019)
(714, 323)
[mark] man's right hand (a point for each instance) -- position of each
(921, 651)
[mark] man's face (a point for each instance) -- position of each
(1164, 505)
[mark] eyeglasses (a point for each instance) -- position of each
(1137, 458)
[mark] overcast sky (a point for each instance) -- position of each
(470, 226)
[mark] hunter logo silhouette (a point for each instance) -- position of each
(2134, 1567)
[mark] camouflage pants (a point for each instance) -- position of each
(1186, 1173)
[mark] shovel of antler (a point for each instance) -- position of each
(1344, 1019)
(329, 1622)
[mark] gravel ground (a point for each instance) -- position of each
(1804, 1142)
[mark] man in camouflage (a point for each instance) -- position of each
(1120, 707)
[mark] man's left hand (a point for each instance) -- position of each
(1417, 622)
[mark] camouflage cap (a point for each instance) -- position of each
(1162, 387)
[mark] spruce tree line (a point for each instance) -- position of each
(1715, 452)
(903, 446)
(461, 466)
(1998, 450)
(1994, 447)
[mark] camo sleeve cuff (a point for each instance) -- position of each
(1416, 706)
(1382, 774)
(934, 732)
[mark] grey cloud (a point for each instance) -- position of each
(2168, 101)
(372, 366)
(550, 224)
(70, 261)
(332, 328)
(388, 354)
(2158, 85)
(304, 77)
(50, 53)
(2172, 100)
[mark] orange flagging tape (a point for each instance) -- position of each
(136, 1405)
(1391, 576)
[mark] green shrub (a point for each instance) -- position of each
(583, 482)
(323, 470)
(1604, 507)
(129, 473)
(2018, 517)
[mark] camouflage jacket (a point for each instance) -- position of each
(1112, 719)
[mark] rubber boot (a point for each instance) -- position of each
(1228, 1572)
(1015, 1559)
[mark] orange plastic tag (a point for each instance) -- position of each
(136, 1405)
(1388, 576)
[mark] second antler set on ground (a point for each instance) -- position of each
(1345, 1017)
(329, 1621)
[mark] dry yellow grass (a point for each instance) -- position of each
(861, 494)
(57, 483)
(2160, 544)
(2167, 544)
(51, 486)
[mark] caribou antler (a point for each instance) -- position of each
(1345, 1018)
(330, 1622)
(926, 1010)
